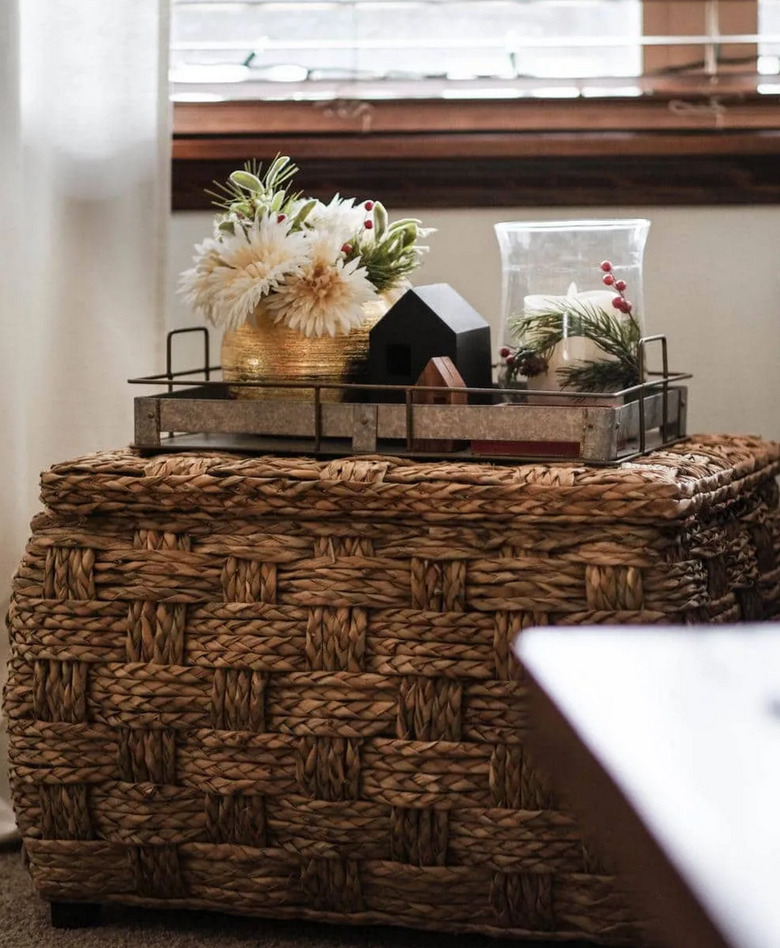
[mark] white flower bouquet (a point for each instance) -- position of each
(312, 265)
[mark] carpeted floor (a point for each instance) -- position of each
(24, 923)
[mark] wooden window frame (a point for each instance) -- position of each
(711, 142)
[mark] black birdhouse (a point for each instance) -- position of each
(426, 322)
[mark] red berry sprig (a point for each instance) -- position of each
(620, 302)
(519, 361)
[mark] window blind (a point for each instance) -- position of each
(399, 49)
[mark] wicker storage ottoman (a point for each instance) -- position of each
(283, 686)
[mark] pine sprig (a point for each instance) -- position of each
(603, 376)
(617, 337)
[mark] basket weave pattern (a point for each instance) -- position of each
(283, 687)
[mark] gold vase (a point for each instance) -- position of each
(265, 351)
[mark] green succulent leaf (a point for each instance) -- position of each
(249, 191)
(380, 220)
(247, 181)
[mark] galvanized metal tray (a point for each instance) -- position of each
(199, 413)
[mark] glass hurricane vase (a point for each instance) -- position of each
(553, 290)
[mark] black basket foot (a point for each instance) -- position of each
(74, 914)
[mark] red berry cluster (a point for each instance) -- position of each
(619, 302)
(368, 223)
(524, 363)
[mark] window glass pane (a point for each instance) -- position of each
(769, 26)
(399, 47)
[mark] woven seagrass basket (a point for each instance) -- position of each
(283, 687)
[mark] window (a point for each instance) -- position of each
(483, 102)
(379, 49)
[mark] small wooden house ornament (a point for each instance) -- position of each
(439, 372)
(425, 323)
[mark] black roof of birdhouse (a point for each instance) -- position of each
(426, 322)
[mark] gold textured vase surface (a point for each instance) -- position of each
(265, 351)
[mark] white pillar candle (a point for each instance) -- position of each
(538, 303)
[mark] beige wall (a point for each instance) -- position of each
(712, 285)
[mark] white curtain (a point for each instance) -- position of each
(84, 206)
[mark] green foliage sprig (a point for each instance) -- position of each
(389, 252)
(249, 190)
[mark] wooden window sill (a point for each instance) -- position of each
(660, 149)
